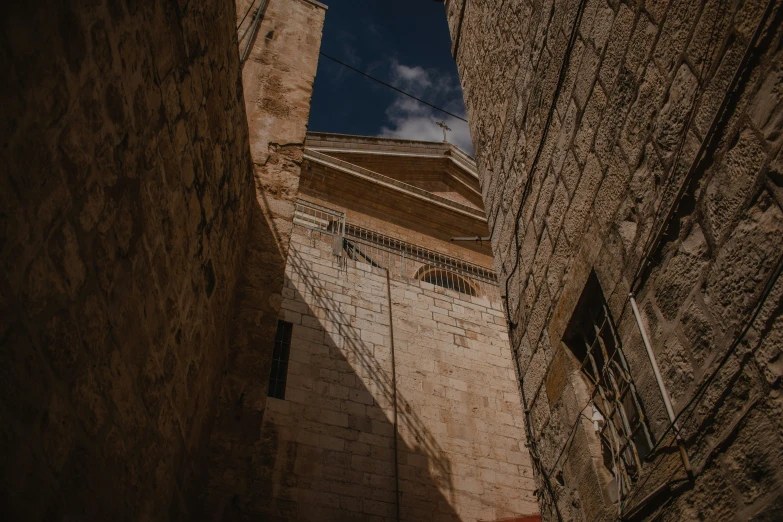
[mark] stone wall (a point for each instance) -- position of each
(124, 203)
(639, 141)
(330, 446)
(277, 77)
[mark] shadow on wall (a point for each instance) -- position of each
(235, 442)
(328, 449)
(125, 195)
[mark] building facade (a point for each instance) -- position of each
(207, 313)
(392, 387)
(633, 148)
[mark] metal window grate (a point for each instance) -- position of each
(618, 414)
(280, 354)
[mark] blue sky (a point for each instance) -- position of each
(403, 42)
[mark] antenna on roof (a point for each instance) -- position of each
(442, 125)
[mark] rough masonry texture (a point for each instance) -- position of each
(125, 199)
(400, 395)
(639, 141)
(331, 442)
(277, 76)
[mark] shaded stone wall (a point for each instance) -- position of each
(277, 77)
(124, 204)
(329, 449)
(641, 141)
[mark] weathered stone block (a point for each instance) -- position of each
(745, 261)
(752, 460)
(675, 31)
(671, 121)
(682, 273)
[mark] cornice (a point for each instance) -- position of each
(320, 158)
(317, 4)
(471, 170)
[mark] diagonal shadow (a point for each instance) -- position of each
(313, 465)
(380, 377)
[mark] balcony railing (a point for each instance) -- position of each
(402, 259)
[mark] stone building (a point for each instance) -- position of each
(159, 239)
(392, 387)
(208, 314)
(150, 166)
(633, 148)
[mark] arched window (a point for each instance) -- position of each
(446, 279)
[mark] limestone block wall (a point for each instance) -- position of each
(329, 447)
(640, 141)
(277, 78)
(124, 202)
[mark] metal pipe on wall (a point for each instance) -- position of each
(253, 28)
(394, 400)
(661, 385)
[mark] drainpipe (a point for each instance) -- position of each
(394, 399)
(661, 387)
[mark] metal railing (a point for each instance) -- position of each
(319, 218)
(401, 258)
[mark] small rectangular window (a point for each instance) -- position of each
(618, 413)
(280, 354)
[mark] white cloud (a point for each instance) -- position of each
(412, 120)
(424, 128)
(416, 77)
(349, 54)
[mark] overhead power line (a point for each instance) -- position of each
(246, 13)
(392, 87)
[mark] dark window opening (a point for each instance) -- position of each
(280, 354)
(618, 415)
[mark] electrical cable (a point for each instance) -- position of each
(249, 8)
(703, 387)
(705, 384)
(458, 37)
(392, 87)
(700, 157)
(545, 135)
(531, 443)
(252, 28)
(655, 236)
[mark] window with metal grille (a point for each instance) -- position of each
(617, 411)
(280, 354)
(446, 279)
